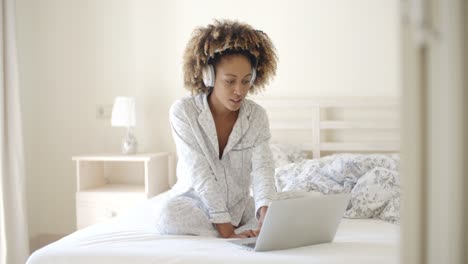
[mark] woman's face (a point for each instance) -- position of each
(233, 73)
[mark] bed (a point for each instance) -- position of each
(369, 233)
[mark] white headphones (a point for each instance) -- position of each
(209, 76)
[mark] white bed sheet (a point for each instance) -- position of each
(130, 239)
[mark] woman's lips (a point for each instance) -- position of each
(236, 101)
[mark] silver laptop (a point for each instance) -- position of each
(304, 221)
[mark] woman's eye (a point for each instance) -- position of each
(230, 81)
(245, 81)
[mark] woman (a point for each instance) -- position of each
(222, 138)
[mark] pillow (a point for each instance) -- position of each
(284, 153)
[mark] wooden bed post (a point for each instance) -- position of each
(316, 133)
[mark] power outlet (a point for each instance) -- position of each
(103, 111)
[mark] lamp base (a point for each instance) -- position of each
(129, 144)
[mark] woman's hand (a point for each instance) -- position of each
(245, 234)
(226, 230)
(262, 212)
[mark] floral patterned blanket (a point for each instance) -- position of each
(373, 181)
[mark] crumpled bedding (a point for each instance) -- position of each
(372, 179)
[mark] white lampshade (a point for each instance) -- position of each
(123, 112)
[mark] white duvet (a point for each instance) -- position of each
(372, 179)
(130, 239)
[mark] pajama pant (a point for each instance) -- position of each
(186, 215)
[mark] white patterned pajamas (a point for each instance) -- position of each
(210, 190)
(186, 215)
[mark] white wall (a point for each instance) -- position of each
(75, 55)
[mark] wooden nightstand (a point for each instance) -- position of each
(108, 185)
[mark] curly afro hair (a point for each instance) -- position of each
(226, 37)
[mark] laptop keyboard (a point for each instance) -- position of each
(246, 243)
(250, 245)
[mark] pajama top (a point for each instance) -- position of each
(222, 185)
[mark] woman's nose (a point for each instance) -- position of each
(240, 89)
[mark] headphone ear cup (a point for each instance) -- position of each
(254, 75)
(208, 75)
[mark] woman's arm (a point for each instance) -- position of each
(263, 170)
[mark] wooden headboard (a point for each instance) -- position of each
(336, 124)
(327, 125)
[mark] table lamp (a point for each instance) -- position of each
(123, 115)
